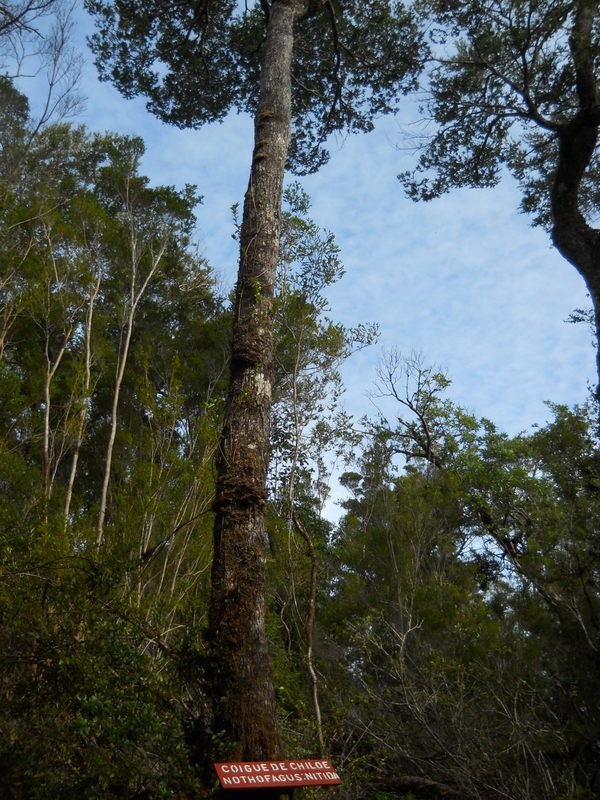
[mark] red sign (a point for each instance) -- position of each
(278, 774)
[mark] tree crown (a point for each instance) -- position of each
(505, 79)
(195, 61)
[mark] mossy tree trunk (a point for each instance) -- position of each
(241, 683)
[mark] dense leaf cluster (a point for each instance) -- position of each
(465, 604)
(101, 292)
(502, 83)
(197, 61)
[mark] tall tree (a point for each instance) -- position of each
(514, 83)
(304, 69)
(532, 504)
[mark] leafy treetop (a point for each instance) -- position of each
(195, 61)
(507, 80)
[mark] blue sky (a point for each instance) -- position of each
(464, 279)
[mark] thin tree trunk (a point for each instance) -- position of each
(242, 687)
(50, 373)
(51, 368)
(113, 425)
(86, 394)
(134, 300)
(309, 623)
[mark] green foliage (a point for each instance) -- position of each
(309, 428)
(308, 421)
(95, 648)
(465, 601)
(457, 604)
(85, 711)
(351, 63)
(502, 85)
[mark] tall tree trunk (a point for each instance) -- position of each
(50, 373)
(244, 699)
(575, 240)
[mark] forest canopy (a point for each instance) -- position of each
(439, 639)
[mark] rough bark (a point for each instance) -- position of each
(577, 241)
(241, 682)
